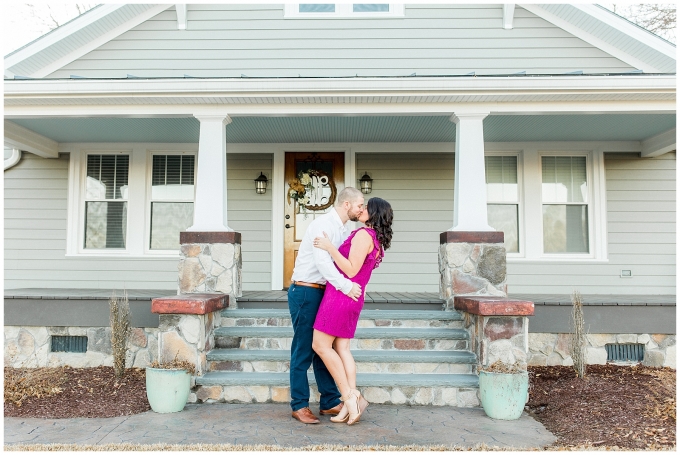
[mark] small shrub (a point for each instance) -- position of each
(578, 339)
(120, 331)
(22, 383)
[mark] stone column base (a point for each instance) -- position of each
(471, 263)
(186, 326)
(210, 262)
(498, 327)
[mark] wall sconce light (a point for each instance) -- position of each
(366, 183)
(261, 184)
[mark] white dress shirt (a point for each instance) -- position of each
(314, 265)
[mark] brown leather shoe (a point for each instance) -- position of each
(332, 411)
(305, 415)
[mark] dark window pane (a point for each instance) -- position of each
(158, 170)
(122, 167)
(371, 7)
(187, 170)
(105, 224)
(173, 171)
(108, 174)
(317, 8)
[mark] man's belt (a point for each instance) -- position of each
(309, 285)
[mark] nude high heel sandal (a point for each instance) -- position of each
(359, 405)
(343, 415)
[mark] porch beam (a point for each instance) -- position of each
(508, 15)
(469, 192)
(24, 139)
(210, 200)
(659, 144)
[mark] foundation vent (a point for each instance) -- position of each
(625, 352)
(69, 343)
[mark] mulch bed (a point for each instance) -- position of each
(632, 407)
(87, 392)
(623, 406)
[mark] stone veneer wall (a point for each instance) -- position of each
(30, 347)
(553, 348)
(188, 337)
(210, 262)
(471, 264)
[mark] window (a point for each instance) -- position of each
(502, 195)
(172, 195)
(564, 191)
(340, 10)
(106, 194)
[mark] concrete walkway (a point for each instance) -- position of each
(271, 424)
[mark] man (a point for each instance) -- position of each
(313, 268)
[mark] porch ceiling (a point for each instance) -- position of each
(497, 128)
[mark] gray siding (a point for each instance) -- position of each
(255, 40)
(420, 189)
(35, 232)
(641, 232)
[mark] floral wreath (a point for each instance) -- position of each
(299, 187)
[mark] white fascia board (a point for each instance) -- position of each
(24, 139)
(60, 33)
(590, 39)
(167, 88)
(181, 9)
(508, 15)
(640, 34)
(99, 41)
(659, 144)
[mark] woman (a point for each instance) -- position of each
(338, 314)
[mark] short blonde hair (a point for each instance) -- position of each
(349, 194)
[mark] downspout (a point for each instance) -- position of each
(12, 160)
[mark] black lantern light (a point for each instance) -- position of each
(366, 183)
(261, 184)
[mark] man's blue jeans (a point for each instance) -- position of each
(303, 303)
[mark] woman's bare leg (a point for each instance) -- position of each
(341, 346)
(322, 343)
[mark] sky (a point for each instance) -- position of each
(24, 22)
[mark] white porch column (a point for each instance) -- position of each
(210, 200)
(469, 199)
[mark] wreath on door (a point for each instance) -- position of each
(307, 190)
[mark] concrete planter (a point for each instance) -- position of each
(503, 395)
(167, 390)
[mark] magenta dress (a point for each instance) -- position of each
(338, 314)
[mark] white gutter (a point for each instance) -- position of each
(12, 160)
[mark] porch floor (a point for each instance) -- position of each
(406, 298)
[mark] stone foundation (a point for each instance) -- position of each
(30, 347)
(471, 263)
(186, 326)
(554, 348)
(210, 262)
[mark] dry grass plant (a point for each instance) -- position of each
(24, 382)
(120, 331)
(501, 367)
(578, 339)
(175, 364)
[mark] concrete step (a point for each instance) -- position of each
(278, 360)
(414, 389)
(365, 338)
(374, 301)
(368, 318)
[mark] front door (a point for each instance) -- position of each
(312, 182)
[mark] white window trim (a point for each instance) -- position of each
(148, 199)
(138, 179)
(80, 218)
(342, 11)
(520, 200)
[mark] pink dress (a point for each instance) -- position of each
(338, 314)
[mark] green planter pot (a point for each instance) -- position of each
(167, 390)
(503, 395)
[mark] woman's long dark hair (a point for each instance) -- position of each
(380, 219)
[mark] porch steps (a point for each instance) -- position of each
(403, 356)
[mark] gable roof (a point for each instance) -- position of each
(597, 26)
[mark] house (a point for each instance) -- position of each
(553, 123)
